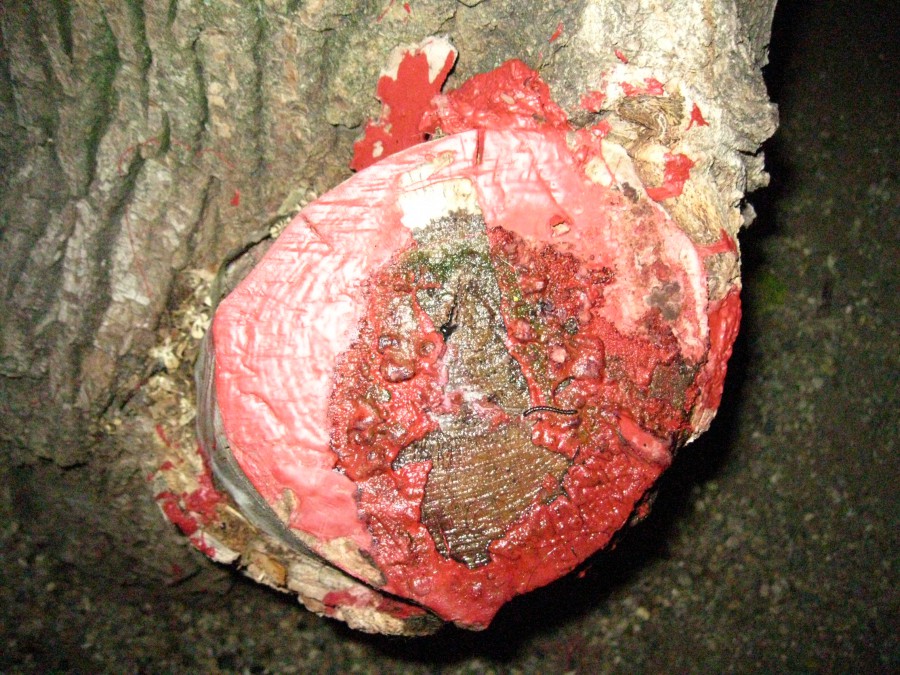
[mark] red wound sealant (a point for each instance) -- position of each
(697, 118)
(593, 101)
(343, 361)
(556, 33)
(406, 95)
(677, 173)
(651, 87)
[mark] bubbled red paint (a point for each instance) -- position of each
(279, 335)
(676, 174)
(527, 182)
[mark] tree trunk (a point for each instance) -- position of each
(145, 143)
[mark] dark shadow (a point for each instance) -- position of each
(786, 28)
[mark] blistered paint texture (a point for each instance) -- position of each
(625, 336)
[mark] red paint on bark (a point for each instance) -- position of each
(512, 96)
(676, 174)
(203, 546)
(161, 433)
(593, 101)
(652, 87)
(725, 244)
(188, 510)
(204, 500)
(590, 141)
(170, 504)
(724, 324)
(406, 98)
(697, 118)
(559, 31)
(364, 598)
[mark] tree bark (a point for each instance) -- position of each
(144, 143)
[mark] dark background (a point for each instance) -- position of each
(773, 543)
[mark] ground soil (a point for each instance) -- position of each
(773, 543)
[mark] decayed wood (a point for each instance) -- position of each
(144, 143)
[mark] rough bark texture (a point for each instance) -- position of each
(142, 144)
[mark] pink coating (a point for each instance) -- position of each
(278, 335)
